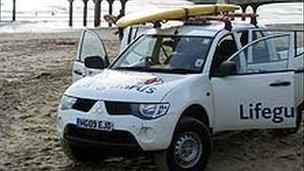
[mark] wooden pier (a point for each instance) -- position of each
(97, 9)
(254, 4)
(0, 9)
(14, 10)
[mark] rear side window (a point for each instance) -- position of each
(266, 55)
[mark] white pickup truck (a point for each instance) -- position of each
(170, 90)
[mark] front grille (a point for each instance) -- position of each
(118, 108)
(84, 105)
(113, 137)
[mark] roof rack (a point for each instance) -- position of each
(226, 18)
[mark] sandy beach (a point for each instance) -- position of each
(35, 70)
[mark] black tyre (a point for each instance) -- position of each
(287, 131)
(190, 148)
(80, 154)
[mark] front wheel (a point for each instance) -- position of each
(190, 148)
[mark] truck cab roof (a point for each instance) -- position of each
(209, 29)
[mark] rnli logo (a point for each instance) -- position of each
(154, 81)
(143, 88)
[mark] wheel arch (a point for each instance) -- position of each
(198, 112)
(301, 106)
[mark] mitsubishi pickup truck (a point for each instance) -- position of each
(172, 88)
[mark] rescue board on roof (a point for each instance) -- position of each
(179, 13)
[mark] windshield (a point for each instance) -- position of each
(175, 54)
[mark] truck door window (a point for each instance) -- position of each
(225, 49)
(91, 46)
(262, 62)
(261, 49)
(300, 43)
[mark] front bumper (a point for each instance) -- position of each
(128, 132)
(114, 141)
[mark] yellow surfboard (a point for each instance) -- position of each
(178, 13)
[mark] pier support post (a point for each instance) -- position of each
(0, 9)
(14, 10)
(110, 9)
(97, 11)
(123, 7)
(244, 7)
(255, 8)
(71, 13)
(85, 12)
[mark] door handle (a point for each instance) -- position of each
(280, 84)
(77, 72)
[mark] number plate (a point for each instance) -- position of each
(94, 124)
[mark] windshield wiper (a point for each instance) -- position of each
(165, 70)
(182, 70)
(134, 68)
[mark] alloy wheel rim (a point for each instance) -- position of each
(188, 150)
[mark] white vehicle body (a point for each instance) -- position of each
(262, 95)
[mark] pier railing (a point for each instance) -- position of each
(255, 4)
(97, 10)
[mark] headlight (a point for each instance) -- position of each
(145, 111)
(152, 111)
(67, 102)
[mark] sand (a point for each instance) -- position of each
(35, 70)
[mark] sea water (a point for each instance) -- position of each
(50, 15)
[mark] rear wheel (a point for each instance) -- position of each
(81, 154)
(190, 148)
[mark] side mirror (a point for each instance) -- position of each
(226, 69)
(94, 62)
